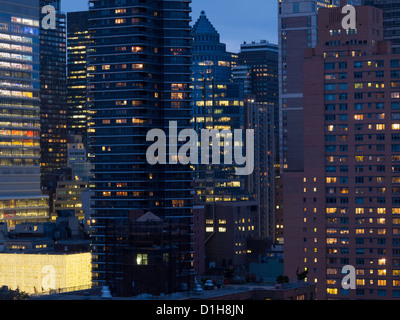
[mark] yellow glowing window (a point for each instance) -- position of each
(209, 229)
(120, 21)
(142, 259)
(380, 127)
(358, 117)
(137, 66)
(177, 203)
(359, 210)
(396, 126)
(332, 290)
(360, 282)
(221, 229)
(396, 283)
(358, 85)
(137, 49)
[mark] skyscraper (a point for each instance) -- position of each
(262, 59)
(297, 30)
(210, 58)
(140, 61)
(78, 41)
(343, 208)
(218, 103)
(20, 196)
(53, 103)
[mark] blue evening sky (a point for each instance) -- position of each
(235, 20)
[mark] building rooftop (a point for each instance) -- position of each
(204, 26)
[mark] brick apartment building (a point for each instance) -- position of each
(343, 209)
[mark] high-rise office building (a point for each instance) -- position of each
(210, 58)
(260, 184)
(53, 106)
(140, 59)
(20, 193)
(262, 59)
(78, 41)
(218, 103)
(391, 24)
(343, 208)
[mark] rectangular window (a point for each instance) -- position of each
(142, 259)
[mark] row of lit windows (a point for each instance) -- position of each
(343, 158)
(28, 22)
(220, 229)
(333, 210)
(359, 75)
(345, 190)
(358, 96)
(13, 38)
(134, 66)
(15, 47)
(377, 126)
(19, 133)
(32, 213)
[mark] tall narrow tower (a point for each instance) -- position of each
(53, 89)
(140, 61)
(20, 196)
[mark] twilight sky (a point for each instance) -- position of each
(235, 20)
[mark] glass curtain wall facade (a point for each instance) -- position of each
(78, 41)
(218, 103)
(20, 196)
(53, 90)
(140, 63)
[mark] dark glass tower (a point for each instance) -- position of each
(78, 41)
(261, 59)
(140, 62)
(53, 106)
